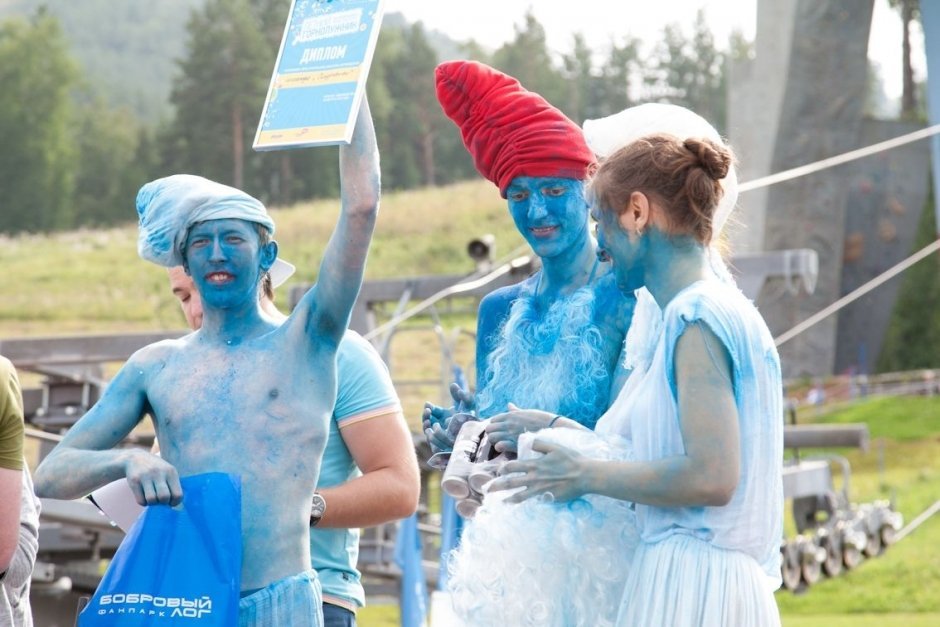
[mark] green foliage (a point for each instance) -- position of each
(424, 146)
(79, 160)
(409, 78)
(68, 157)
(526, 58)
(221, 88)
(690, 72)
(594, 93)
(913, 337)
(37, 165)
(419, 145)
(127, 50)
(115, 161)
(611, 90)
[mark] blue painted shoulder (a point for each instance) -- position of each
(493, 311)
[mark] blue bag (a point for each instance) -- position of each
(177, 566)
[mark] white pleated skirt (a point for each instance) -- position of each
(685, 582)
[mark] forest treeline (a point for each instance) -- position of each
(151, 97)
(74, 157)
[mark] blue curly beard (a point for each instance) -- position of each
(550, 360)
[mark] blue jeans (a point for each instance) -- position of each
(336, 616)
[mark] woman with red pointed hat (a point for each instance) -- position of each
(553, 340)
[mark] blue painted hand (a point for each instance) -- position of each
(153, 480)
(442, 424)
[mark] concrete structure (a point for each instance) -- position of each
(757, 89)
(886, 196)
(799, 100)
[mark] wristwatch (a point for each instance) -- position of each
(317, 509)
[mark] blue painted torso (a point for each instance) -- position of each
(258, 410)
(559, 356)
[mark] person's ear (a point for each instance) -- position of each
(268, 255)
(635, 217)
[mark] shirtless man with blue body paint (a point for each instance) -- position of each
(369, 474)
(243, 395)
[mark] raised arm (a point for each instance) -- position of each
(326, 308)
(85, 458)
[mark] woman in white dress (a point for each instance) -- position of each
(702, 409)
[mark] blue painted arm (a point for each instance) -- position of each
(494, 308)
(325, 309)
(85, 459)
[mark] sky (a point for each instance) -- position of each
(491, 23)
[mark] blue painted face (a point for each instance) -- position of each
(616, 246)
(225, 260)
(550, 213)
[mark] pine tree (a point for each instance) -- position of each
(219, 94)
(913, 337)
(37, 162)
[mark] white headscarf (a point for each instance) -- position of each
(606, 136)
(167, 207)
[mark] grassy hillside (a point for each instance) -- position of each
(127, 50)
(94, 282)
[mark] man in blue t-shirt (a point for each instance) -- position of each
(369, 474)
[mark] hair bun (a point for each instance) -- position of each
(715, 160)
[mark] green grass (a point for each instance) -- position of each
(905, 418)
(853, 620)
(93, 281)
(379, 616)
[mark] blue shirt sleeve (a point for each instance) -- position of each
(365, 387)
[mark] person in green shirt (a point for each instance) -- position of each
(11, 461)
(19, 507)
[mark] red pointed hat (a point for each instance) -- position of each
(509, 130)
